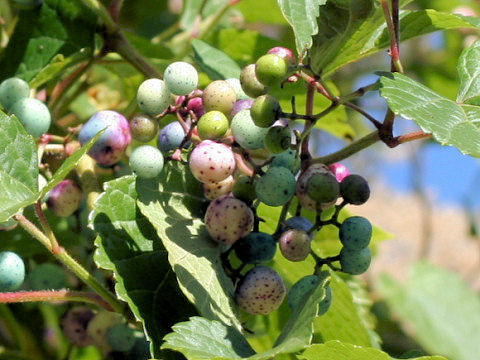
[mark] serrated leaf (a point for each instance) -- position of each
(336, 350)
(265, 11)
(174, 204)
(214, 62)
(469, 73)
(18, 167)
(448, 122)
(440, 308)
(127, 244)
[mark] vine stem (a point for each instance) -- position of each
(102, 12)
(305, 152)
(393, 33)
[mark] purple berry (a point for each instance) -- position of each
(170, 137)
(74, 324)
(196, 105)
(295, 245)
(211, 162)
(65, 198)
(241, 105)
(340, 171)
(111, 145)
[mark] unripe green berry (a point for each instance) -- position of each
(12, 271)
(323, 188)
(278, 139)
(265, 110)
(212, 125)
(256, 248)
(34, 116)
(246, 133)
(276, 187)
(355, 262)
(121, 337)
(355, 232)
(181, 78)
(153, 96)
(355, 190)
(146, 161)
(47, 277)
(250, 84)
(99, 326)
(143, 128)
(271, 69)
(287, 159)
(244, 189)
(220, 96)
(12, 90)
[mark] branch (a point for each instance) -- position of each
(393, 34)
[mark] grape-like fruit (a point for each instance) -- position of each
(240, 105)
(170, 137)
(265, 110)
(220, 96)
(355, 262)
(196, 106)
(215, 190)
(339, 170)
(228, 219)
(111, 145)
(300, 288)
(323, 188)
(181, 78)
(143, 128)
(261, 291)
(13, 90)
(153, 96)
(27, 4)
(65, 198)
(305, 200)
(235, 84)
(146, 161)
(355, 190)
(250, 84)
(244, 189)
(256, 248)
(246, 133)
(271, 69)
(99, 326)
(287, 159)
(121, 337)
(278, 139)
(284, 53)
(211, 162)
(295, 245)
(47, 277)
(276, 187)
(74, 324)
(298, 223)
(212, 125)
(12, 271)
(34, 116)
(355, 232)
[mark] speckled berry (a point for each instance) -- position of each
(265, 110)
(355, 190)
(284, 53)
(215, 190)
(240, 105)
(110, 146)
(250, 84)
(228, 219)
(340, 171)
(256, 248)
(235, 84)
(244, 189)
(212, 125)
(65, 198)
(74, 325)
(295, 245)
(220, 96)
(47, 277)
(170, 137)
(196, 106)
(13, 90)
(143, 128)
(355, 262)
(299, 223)
(34, 116)
(153, 96)
(146, 161)
(287, 159)
(300, 288)
(261, 291)
(271, 69)
(278, 139)
(276, 187)
(305, 200)
(99, 326)
(246, 133)
(121, 337)
(211, 162)
(355, 232)
(323, 188)
(181, 78)
(12, 271)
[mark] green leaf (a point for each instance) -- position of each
(302, 17)
(57, 27)
(18, 167)
(469, 73)
(214, 62)
(448, 122)
(440, 308)
(85, 353)
(174, 204)
(191, 10)
(336, 350)
(265, 11)
(147, 48)
(127, 244)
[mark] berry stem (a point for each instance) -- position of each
(393, 32)
(282, 218)
(45, 225)
(102, 12)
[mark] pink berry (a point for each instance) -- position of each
(196, 105)
(340, 171)
(284, 53)
(65, 198)
(212, 162)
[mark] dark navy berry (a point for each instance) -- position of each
(256, 248)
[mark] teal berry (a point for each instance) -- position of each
(244, 189)
(34, 116)
(248, 135)
(143, 128)
(265, 110)
(212, 125)
(300, 288)
(237, 86)
(287, 159)
(121, 337)
(146, 161)
(256, 248)
(12, 271)
(271, 69)
(153, 97)
(220, 96)
(12, 90)
(250, 84)
(355, 262)
(278, 139)
(355, 190)
(276, 187)
(47, 277)
(181, 78)
(355, 233)
(323, 188)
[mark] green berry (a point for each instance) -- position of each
(355, 232)
(12, 90)
(323, 188)
(246, 133)
(271, 69)
(355, 262)
(276, 187)
(212, 125)
(287, 159)
(244, 189)
(235, 84)
(295, 245)
(300, 288)
(256, 248)
(47, 277)
(302, 185)
(181, 78)
(278, 139)
(153, 97)
(121, 337)
(99, 326)
(12, 271)
(265, 110)
(220, 96)
(34, 116)
(143, 128)
(250, 84)
(146, 161)
(355, 190)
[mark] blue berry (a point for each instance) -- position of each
(12, 271)
(153, 97)
(246, 133)
(47, 277)
(256, 248)
(355, 233)
(287, 159)
(121, 337)
(170, 137)
(355, 262)
(181, 78)
(276, 187)
(146, 161)
(34, 116)
(299, 223)
(13, 90)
